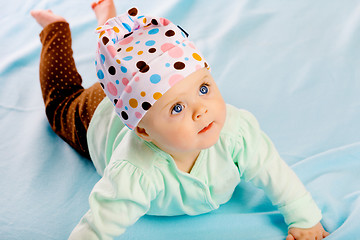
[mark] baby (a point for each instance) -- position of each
(163, 140)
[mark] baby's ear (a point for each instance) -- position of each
(141, 133)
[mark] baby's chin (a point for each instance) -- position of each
(209, 146)
(211, 142)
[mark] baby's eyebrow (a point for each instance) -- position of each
(171, 103)
(205, 76)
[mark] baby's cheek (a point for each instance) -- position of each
(182, 139)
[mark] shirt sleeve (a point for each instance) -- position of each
(260, 163)
(117, 201)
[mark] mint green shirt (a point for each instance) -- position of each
(138, 178)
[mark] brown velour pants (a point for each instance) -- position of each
(69, 107)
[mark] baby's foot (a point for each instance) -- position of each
(45, 17)
(104, 10)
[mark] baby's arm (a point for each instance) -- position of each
(117, 201)
(261, 164)
(315, 232)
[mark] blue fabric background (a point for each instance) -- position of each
(294, 64)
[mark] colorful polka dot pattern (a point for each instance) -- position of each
(139, 58)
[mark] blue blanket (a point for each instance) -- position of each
(294, 64)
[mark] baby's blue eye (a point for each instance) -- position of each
(204, 90)
(177, 109)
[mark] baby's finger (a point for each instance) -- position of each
(290, 237)
(325, 234)
(319, 236)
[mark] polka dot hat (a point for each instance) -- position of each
(139, 58)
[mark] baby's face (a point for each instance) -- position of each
(187, 118)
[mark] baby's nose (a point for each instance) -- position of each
(200, 111)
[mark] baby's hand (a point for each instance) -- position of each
(316, 232)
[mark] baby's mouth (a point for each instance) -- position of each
(206, 128)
